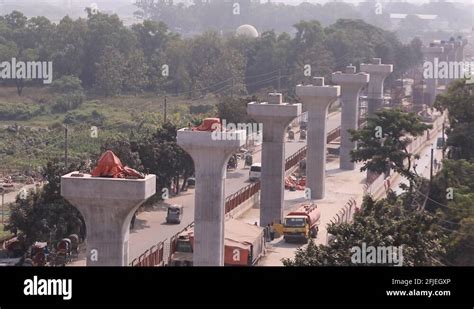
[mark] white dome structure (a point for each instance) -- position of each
(248, 31)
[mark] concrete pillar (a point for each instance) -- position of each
(432, 55)
(107, 205)
(275, 117)
(378, 72)
(210, 151)
(351, 84)
(460, 50)
(448, 56)
(317, 98)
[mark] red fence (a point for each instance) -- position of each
(296, 158)
(333, 134)
(151, 257)
(234, 200)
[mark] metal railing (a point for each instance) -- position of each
(239, 197)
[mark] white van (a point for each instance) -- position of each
(255, 171)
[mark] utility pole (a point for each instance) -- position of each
(431, 165)
(279, 81)
(2, 191)
(166, 107)
(66, 146)
(444, 143)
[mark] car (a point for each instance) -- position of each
(174, 214)
(440, 143)
(191, 182)
(255, 171)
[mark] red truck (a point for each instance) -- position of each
(243, 245)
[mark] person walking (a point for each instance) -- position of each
(272, 231)
(267, 233)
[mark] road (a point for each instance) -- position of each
(150, 228)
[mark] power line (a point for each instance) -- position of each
(438, 203)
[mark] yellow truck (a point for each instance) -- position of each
(302, 223)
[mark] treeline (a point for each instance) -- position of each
(228, 15)
(110, 58)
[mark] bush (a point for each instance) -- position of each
(67, 102)
(94, 118)
(18, 111)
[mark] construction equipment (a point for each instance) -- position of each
(109, 165)
(243, 245)
(302, 223)
(209, 125)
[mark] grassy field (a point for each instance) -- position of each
(3, 234)
(40, 136)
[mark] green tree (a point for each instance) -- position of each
(135, 79)
(110, 72)
(162, 156)
(382, 143)
(69, 54)
(44, 215)
(451, 198)
(70, 93)
(387, 222)
(309, 49)
(234, 110)
(459, 102)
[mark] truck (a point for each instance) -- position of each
(244, 245)
(302, 224)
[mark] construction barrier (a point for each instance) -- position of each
(151, 257)
(239, 197)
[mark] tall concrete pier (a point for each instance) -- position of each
(210, 151)
(378, 73)
(351, 84)
(431, 53)
(460, 45)
(317, 98)
(107, 206)
(449, 56)
(275, 117)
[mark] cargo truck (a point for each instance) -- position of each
(302, 223)
(244, 245)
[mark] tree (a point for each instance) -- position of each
(135, 79)
(44, 215)
(110, 72)
(234, 110)
(70, 93)
(382, 143)
(451, 198)
(459, 102)
(68, 45)
(125, 150)
(106, 37)
(162, 156)
(309, 50)
(387, 222)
